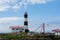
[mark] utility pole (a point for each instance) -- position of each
(43, 28)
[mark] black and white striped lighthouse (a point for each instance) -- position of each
(26, 22)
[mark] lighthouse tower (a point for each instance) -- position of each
(26, 22)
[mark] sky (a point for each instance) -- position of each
(39, 11)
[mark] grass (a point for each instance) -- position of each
(25, 36)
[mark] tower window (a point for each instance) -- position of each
(20, 31)
(16, 28)
(12, 28)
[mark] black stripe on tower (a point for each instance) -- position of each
(26, 23)
(25, 15)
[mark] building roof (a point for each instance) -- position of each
(56, 30)
(16, 27)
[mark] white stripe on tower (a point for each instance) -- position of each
(25, 19)
(25, 26)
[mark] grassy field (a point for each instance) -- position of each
(25, 36)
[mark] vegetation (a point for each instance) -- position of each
(16, 36)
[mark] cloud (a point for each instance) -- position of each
(4, 8)
(16, 4)
(10, 19)
(6, 22)
(55, 20)
(51, 27)
(39, 1)
(7, 4)
(4, 29)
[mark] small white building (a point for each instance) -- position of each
(56, 31)
(17, 29)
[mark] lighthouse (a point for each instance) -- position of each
(26, 22)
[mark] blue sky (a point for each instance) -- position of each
(39, 11)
